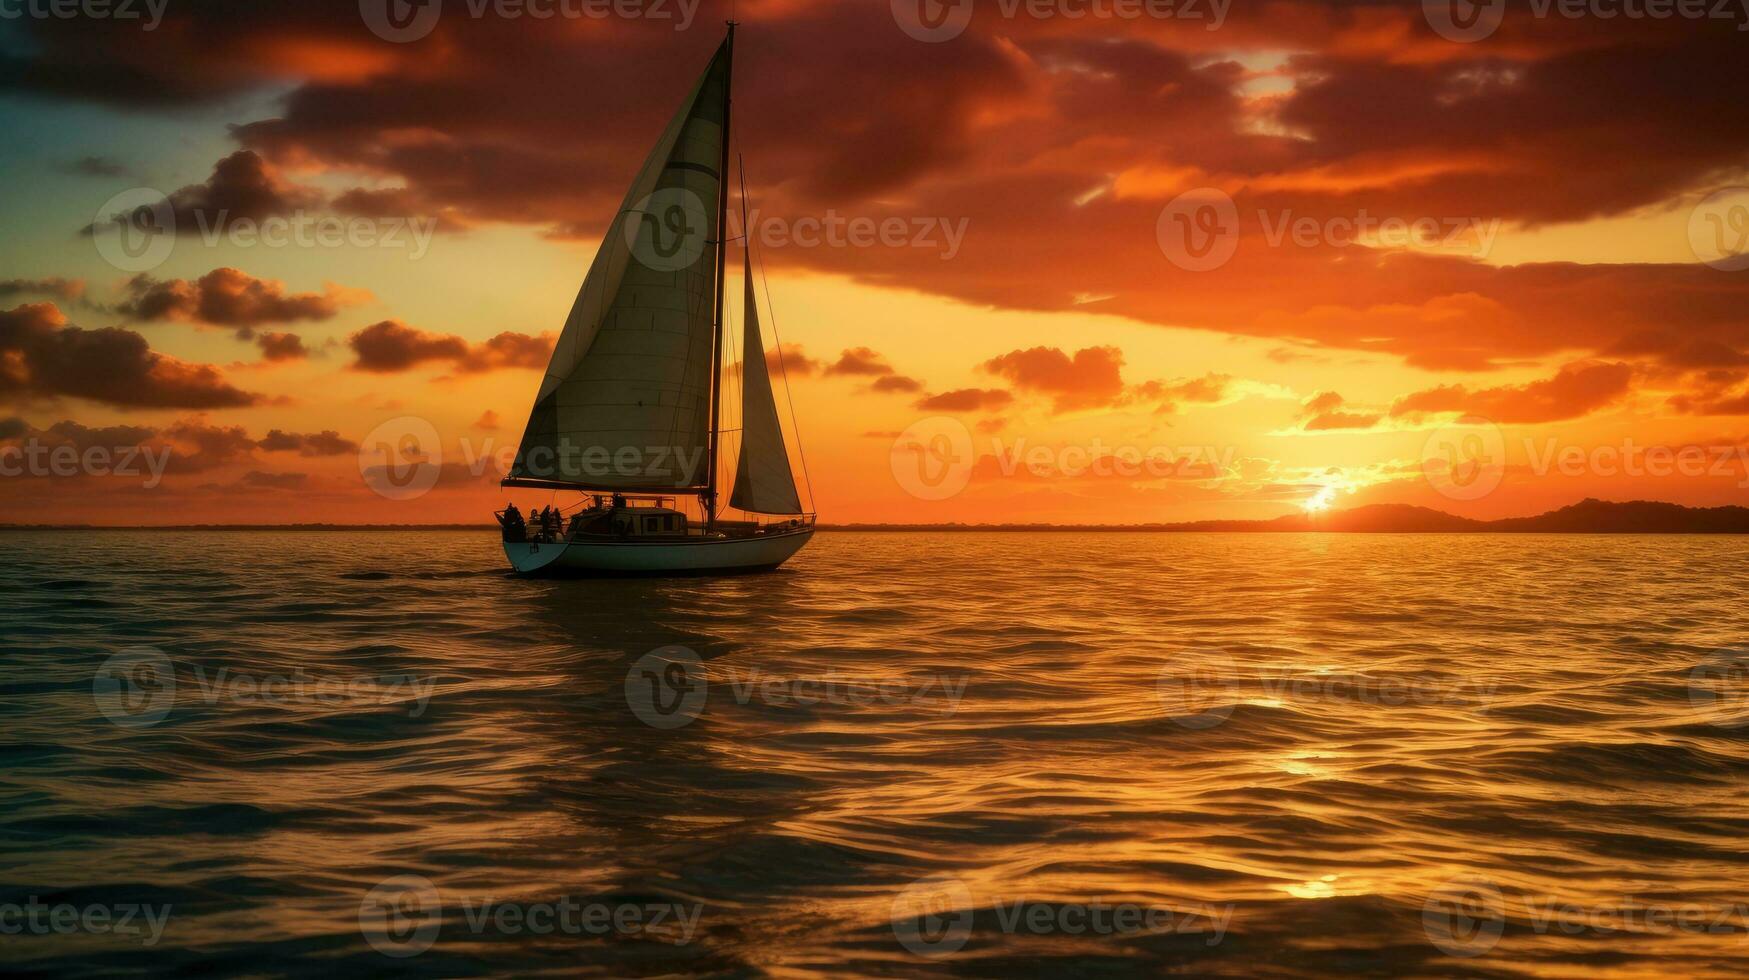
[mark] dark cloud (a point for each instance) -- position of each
(68, 290)
(860, 361)
(895, 383)
(324, 443)
(1056, 140)
(278, 347)
(966, 400)
(229, 297)
(94, 166)
(1577, 390)
(242, 187)
(41, 357)
(792, 361)
(392, 346)
(275, 481)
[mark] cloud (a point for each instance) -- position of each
(232, 298)
(42, 357)
(966, 400)
(1577, 390)
(860, 361)
(1324, 412)
(1371, 107)
(243, 186)
(391, 346)
(1209, 389)
(488, 421)
(793, 361)
(325, 443)
(278, 347)
(855, 362)
(275, 481)
(93, 166)
(67, 290)
(895, 383)
(1091, 378)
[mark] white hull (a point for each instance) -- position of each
(674, 557)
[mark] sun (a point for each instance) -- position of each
(1320, 501)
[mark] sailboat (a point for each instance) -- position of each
(630, 410)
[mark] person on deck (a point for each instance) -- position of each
(514, 528)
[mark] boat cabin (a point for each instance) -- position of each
(645, 522)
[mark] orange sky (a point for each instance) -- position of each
(1090, 270)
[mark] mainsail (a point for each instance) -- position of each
(626, 400)
(763, 482)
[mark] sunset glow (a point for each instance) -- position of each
(1288, 253)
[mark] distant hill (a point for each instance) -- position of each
(1592, 516)
(1589, 516)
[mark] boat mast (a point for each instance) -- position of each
(714, 443)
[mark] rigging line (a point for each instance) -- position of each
(782, 363)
